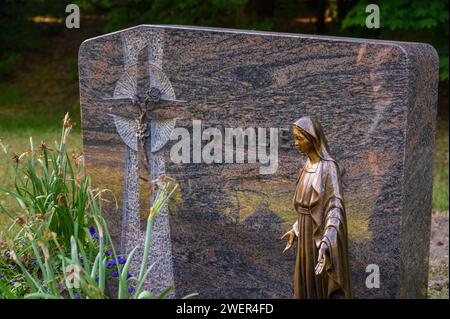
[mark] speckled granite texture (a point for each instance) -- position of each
(376, 101)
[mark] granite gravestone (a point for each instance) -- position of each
(220, 235)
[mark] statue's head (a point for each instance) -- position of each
(309, 137)
(302, 141)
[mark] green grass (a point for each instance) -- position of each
(438, 275)
(440, 178)
(20, 120)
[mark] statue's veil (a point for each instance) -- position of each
(314, 132)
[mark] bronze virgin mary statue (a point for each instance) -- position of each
(322, 267)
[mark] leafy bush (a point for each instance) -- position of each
(57, 244)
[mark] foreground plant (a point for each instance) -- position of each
(58, 244)
(51, 191)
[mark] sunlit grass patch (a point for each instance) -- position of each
(440, 178)
(16, 128)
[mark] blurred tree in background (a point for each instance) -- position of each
(18, 31)
(408, 20)
(196, 12)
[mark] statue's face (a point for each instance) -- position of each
(302, 144)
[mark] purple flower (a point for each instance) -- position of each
(2, 277)
(129, 276)
(122, 260)
(114, 274)
(93, 232)
(77, 296)
(111, 263)
(108, 252)
(13, 280)
(131, 289)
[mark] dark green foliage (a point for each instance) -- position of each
(7, 64)
(195, 12)
(18, 33)
(409, 20)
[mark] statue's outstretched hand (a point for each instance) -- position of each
(290, 236)
(322, 260)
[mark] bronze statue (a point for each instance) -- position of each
(322, 267)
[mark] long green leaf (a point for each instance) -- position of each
(123, 275)
(190, 295)
(146, 295)
(37, 254)
(165, 292)
(40, 295)
(141, 282)
(6, 291)
(28, 277)
(148, 239)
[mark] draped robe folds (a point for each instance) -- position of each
(324, 220)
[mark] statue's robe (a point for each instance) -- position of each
(321, 218)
